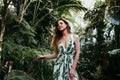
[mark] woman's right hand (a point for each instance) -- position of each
(40, 57)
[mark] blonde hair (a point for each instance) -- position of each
(58, 34)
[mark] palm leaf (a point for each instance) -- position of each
(18, 75)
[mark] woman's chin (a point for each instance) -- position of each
(62, 29)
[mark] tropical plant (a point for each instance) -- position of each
(28, 34)
(25, 59)
(113, 20)
(18, 75)
(92, 62)
(97, 54)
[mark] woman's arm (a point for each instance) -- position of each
(77, 52)
(76, 57)
(50, 56)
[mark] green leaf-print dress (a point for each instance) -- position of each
(64, 61)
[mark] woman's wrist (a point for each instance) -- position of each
(41, 57)
(72, 67)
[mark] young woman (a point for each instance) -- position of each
(67, 49)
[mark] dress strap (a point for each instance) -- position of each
(73, 39)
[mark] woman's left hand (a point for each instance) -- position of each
(71, 74)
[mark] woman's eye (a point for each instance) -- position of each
(61, 23)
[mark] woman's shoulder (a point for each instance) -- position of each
(75, 36)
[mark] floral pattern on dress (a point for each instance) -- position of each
(64, 61)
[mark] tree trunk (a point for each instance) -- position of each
(117, 36)
(20, 10)
(2, 31)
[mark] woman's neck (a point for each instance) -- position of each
(65, 32)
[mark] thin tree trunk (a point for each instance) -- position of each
(22, 5)
(2, 31)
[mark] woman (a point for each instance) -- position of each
(67, 48)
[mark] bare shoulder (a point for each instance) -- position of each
(76, 41)
(76, 37)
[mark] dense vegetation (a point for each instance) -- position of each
(26, 31)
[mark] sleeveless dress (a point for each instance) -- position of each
(64, 61)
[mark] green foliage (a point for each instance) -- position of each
(18, 75)
(25, 59)
(3, 72)
(24, 41)
(114, 66)
(87, 60)
(20, 33)
(42, 15)
(90, 15)
(18, 53)
(99, 4)
(98, 11)
(93, 64)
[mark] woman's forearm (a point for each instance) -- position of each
(77, 52)
(50, 56)
(75, 61)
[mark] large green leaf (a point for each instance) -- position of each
(18, 75)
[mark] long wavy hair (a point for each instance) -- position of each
(58, 34)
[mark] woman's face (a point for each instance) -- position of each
(61, 25)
